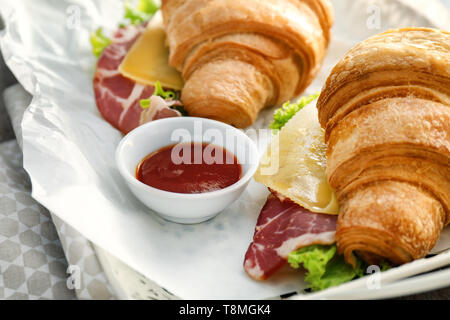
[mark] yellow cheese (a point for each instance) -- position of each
(295, 162)
(147, 60)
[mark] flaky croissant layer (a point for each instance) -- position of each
(237, 57)
(386, 112)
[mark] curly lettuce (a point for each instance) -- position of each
(140, 13)
(159, 91)
(165, 94)
(324, 267)
(99, 42)
(288, 110)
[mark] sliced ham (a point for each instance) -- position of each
(159, 109)
(282, 227)
(118, 97)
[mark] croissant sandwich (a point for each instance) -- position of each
(236, 57)
(229, 59)
(369, 183)
(386, 112)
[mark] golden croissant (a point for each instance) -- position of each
(386, 112)
(237, 57)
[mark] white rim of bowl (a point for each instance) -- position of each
(168, 194)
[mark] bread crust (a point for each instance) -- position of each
(282, 42)
(386, 111)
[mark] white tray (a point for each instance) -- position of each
(400, 281)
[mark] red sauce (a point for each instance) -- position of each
(189, 168)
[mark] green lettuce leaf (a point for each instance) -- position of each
(325, 268)
(141, 13)
(145, 103)
(99, 42)
(159, 91)
(165, 94)
(148, 6)
(288, 110)
(144, 10)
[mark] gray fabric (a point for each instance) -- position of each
(81, 253)
(32, 263)
(15, 100)
(78, 250)
(6, 79)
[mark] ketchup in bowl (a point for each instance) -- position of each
(189, 168)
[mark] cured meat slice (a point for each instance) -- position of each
(282, 227)
(118, 97)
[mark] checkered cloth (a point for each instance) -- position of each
(32, 261)
(34, 255)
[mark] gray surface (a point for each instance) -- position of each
(6, 79)
(79, 252)
(32, 262)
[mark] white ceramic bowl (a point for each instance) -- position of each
(179, 207)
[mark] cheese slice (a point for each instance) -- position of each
(148, 59)
(294, 164)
